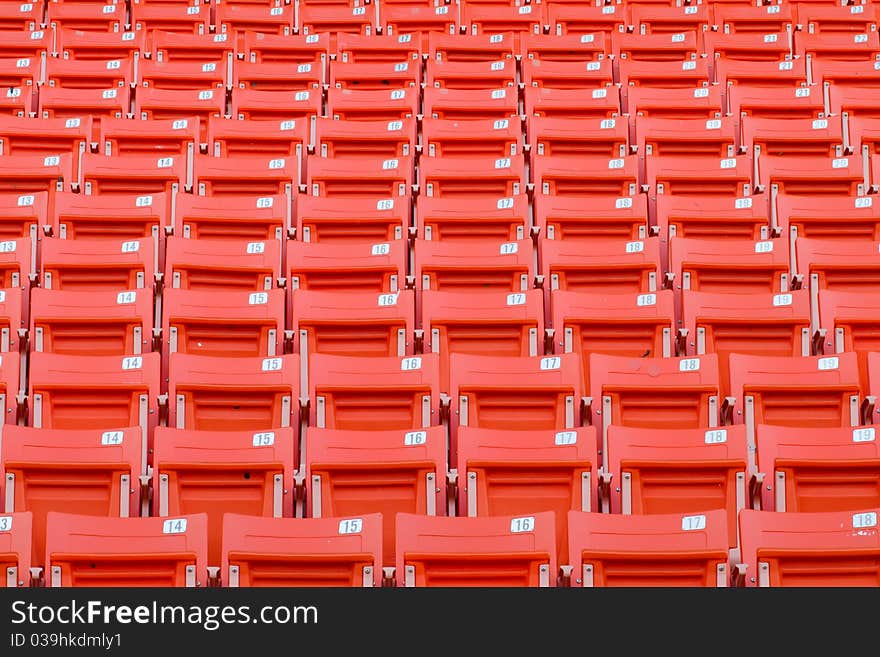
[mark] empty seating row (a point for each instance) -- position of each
(664, 550)
(504, 392)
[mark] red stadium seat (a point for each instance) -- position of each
(578, 19)
(124, 137)
(648, 550)
(694, 175)
(596, 175)
(575, 48)
(464, 104)
(183, 75)
(686, 137)
(518, 472)
(178, 18)
(657, 471)
(749, 46)
(813, 176)
(20, 72)
(15, 549)
(61, 103)
(281, 551)
(807, 392)
(661, 393)
(610, 266)
(841, 266)
(378, 48)
(370, 105)
(215, 473)
(470, 75)
(834, 217)
(675, 102)
(601, 103)
(506, 392)
(375, 75)
(729, 266)
(473, 137)
(859, 101)
(277, 76)
(89, 73)
(660, 19)
(483, 551)
(788, 74)
(278, 19)
(314, 18)
(405, 19)
(28, 174)
(94, 392)
(373, 139)
(759, 324)
(481, 323)
(374, 394)
(329, 266)
(466, 176)
(21, 136)
(351, 323)
(95, 74)
(849, 319)
(470, 48)
(18, 44)
(21, 215)
(689, 74)
(18, 102)
(861, 134)
(201, 48)
(275, 105)
(90, 472)
(592, 321)
(209, 393)
(134, 552)
(252, 218)
(473, 267)
(22, 17)
(736, 18)
(12, 318)
(245, 176)
(351, 219)
(813, 470)
(392, 177)
(17, 263)
(844, 46)
(793, 137)
(262, 48)
(478, 18)
(713, 217)
(780, 103)
(569, 218)
(223, 322)
(118, 218)
(102, 46)
(401, 472)
(91, 323)
(90, 265)
(171, 104)
(836, 549)
(222, 265)
(86, 16)
(258, 138)
(567, 74)
(473, 217)
(672, 48)
(101, 175)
